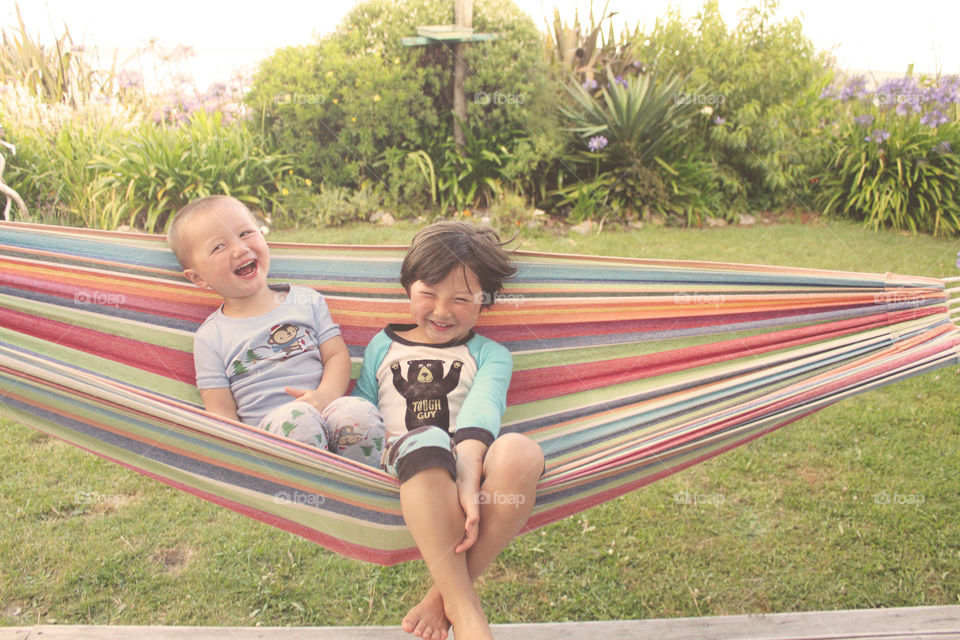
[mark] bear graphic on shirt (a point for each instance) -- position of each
(425, 390)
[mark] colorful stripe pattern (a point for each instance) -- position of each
(626, 370)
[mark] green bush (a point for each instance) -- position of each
(635, 152)
(759, 83)
(353, 107)
(893, 158)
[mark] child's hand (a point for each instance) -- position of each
(319, 398)
(470, 502)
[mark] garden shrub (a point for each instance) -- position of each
(358, 107)
(759, 84)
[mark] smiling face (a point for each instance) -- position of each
(227, 253)
(447, 310)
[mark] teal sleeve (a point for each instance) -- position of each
(367, 386)
(482, 411)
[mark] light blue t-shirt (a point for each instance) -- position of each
(460, 386)
(257, 357)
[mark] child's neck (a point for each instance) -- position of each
(264, 301)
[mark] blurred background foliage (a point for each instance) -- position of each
(685, 122)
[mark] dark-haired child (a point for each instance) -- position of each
(466, 490)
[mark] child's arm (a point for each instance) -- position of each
(478, 425)
(221, 402)
(470, 454)
(335, 377)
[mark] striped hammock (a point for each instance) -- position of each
(626, 370)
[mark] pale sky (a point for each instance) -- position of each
(879, 36)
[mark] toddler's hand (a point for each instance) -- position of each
(317, 397)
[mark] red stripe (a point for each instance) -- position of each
(170, 363)
(550, 382)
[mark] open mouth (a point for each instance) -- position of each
(247, 269)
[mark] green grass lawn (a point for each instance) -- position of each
(857, 506)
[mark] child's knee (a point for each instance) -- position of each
(515, 455)
(355, 429)
(297, 420)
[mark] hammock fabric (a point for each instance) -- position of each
(626, 370)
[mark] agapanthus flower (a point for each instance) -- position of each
(856, 87)
(719, 120)
(620, 80)
(943, 147)
(878, 136)
(933, 119)
(865, 119)
(590, 84)
(596, 143)
(128, 79)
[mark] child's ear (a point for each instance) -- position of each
(194, 277)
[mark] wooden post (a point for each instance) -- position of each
(462, 17)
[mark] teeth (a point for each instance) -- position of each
(247, 266)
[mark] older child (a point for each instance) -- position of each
(466, 490)
(270, 356)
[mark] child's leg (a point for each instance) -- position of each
(431, 509)
(297, 420)
(355, 430)
(511, 469)
(423, 461)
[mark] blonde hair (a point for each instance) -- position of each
(175, 237)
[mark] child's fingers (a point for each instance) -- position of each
(471, 531)
(296, 393)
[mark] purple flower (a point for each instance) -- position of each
(856, 87)
(590, 84)
(958, 259)
(719, 120)
(620, 80)
(128, 79)
(933, 119)
(866, 119)
(878, 136)
(596, 143)
(943, 147)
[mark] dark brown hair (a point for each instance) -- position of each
(447, 245)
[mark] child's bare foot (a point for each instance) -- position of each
(426, 619)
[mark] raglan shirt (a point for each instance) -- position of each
(459, 386)
(257, 357)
